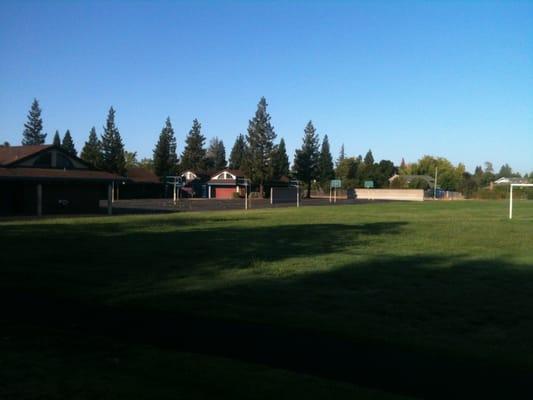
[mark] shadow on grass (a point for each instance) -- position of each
(382, 322)
(104, 254)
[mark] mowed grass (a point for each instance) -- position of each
(443, 278)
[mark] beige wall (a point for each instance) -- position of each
(390, 194)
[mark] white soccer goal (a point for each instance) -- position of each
(513, 185)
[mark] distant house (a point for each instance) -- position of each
(224, 184)
(503, 181)
(44, 179)
(407, 180)
(194, 183)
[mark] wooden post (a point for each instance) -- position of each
(39, 199)
(110, 199)
(271, 197)
(113, 191)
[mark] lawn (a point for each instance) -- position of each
(266, 302)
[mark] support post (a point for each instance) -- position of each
(335, 195)
(113, 191)
(330, 189)
(298, 195)
(271, 197)
(208, 191)
(246, 195)
(175, 191)
(511, 201)
(110, 199)
(39, 199)
(435, 186)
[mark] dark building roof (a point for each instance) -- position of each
(56, 174)
(142, 175)
(11, 154)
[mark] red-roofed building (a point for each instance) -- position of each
(45, 179)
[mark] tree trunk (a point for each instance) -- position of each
(309, 189)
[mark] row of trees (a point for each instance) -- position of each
(257, 155)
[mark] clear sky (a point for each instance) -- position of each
(447, 78)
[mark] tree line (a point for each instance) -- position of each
(258, 156)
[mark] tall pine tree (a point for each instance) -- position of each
(193, 156)
(260, 140)
(237, 157)
(112, 147)
(216, 155)
(68, 144)
(369, 158)
(57, 139)
(92, 150)
(325, 166)
(280, 161)
(306, 158)
(165, 157)
(342, 156)
(33, 129)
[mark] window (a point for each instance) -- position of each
(43, 161)
(63, 162)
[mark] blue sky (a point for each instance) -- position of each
(453, 79)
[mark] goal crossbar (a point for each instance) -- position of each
(513, 185)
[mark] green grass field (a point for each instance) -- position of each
(445, 279)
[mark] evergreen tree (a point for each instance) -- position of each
(6, 144)
(92, 150)
(237, 157)
(57, 139)
(342, 156)
(369, 158)
(165, 157)
(193, 156)
(68, 144)
(260, 140)
(325, 166)
(216, 155)
(306, 158)
(280, 161)
(112, 147)
(33, 128)
(130, 158)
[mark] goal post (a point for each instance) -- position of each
(513, 185)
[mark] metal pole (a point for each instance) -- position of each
(174, 194)
(298, 194)
(271, 197)
(435, 188)
(335, 195)
(330, 189)
(113, 191)
(511, 201)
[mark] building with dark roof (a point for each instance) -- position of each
(45, 179)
